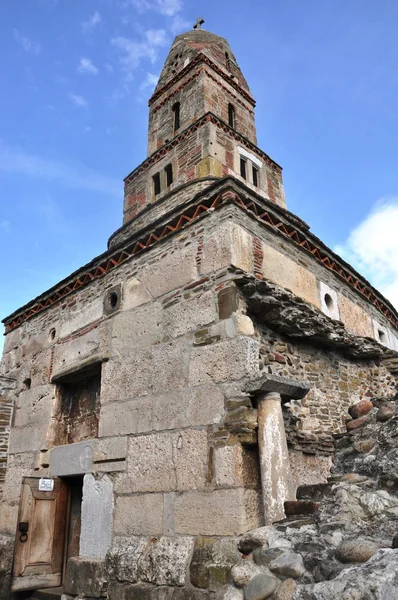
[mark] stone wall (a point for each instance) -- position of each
(6, 386)
(180, 347)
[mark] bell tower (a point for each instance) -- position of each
(201, 128)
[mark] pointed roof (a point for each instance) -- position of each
(186, 48)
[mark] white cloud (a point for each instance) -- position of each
(169, 8)
(78, 100)
(372, 248)
(15, 160)
(92, 22)
(149, 83)
(28, 45)
(86, 65)
(179, 25)
(132, 52)
(5, 226)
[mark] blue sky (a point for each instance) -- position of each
(75, 79)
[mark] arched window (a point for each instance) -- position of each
(176, 111)
(231, 115)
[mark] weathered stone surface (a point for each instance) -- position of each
(6, 557)
(203, 405)
(154, 370)
(229, 245)
(166, 275)
(71, 459)
(288, 564)
(134, 294)
(190, 314)
(243, 572)
(85, 576)
(264, 555)
(360, 409)
(262, 586)
(212, 560)
(222, 512)
(280, 309)
(375, 580)
(286, 590)
(280, 269)
(257, 538)
(386, 412)
(122, 559)
(231, 593)
(356, 551)
(137, 328)
(229, 360)
(139, 515)
(97, 516)
(356, 423)
(236, 466)
(165, 462)
(165, 561)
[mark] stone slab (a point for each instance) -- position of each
(71, 459)
(97, 517)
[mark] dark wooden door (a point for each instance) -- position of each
(40, 537)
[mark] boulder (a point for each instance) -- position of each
(360, 409)
(261, 587)
(288, 564)
(244, 572)
(356, 551)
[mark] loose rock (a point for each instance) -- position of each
(261, 587)
(244, 572)
(356, 423)
(385, 412)
(286, 590)
(288, 564)
(360, 409)
(356, 551)
(263, 556)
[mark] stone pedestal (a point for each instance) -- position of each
(276, 479)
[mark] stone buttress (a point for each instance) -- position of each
(176, 390)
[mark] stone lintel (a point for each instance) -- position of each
(91, 362)
(71, 459)
(287, 388)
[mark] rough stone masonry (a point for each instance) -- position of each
(175, 392)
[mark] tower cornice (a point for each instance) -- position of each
(227, 191)
(201, 57)
(207, 118)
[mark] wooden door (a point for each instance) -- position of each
(40, 536)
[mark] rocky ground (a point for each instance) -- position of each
(338, 541)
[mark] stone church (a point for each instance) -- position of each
(173, 393)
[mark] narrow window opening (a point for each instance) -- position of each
(382, 336)
(255, 175)
(156, 183)
(231, 115)
(329, 301)
(243, 168)
(176, 110)
(169, 174)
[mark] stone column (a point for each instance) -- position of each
(276, 478)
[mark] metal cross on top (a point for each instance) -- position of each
(199, 23)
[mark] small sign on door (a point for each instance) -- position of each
(46, 485)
